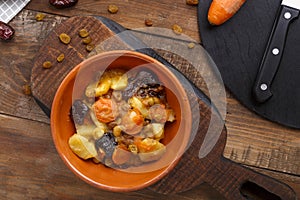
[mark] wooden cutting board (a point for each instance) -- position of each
(237, 48)
(227, 177)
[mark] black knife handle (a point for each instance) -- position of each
(273, 54)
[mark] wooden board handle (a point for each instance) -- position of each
(237, 182)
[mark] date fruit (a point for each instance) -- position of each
(63, 3)
(6, 31)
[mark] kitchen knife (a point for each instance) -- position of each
(289, 10)
(10, 8)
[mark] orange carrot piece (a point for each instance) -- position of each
(222, 10)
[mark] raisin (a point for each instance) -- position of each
(79, 110)
(148, 22)
(39, 16)
(192, 2)
(107, 143)
(64, 38)
(177, 29)
(191, 45)
(6, 31)
(60, 58)
(27, 89)
(83, 33)
(113, 9)
(47, 64)
(90, 47)
(87, 40)
(63, 3)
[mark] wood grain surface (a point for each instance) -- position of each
(213, 169)
(264, 146)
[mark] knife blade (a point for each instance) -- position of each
(288, 11)
(10, 8)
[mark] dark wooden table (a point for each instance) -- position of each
(30, 167)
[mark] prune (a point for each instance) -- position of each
(107, 143)
(79, 110)
(63, 3)
(151, 90)
(142, 79)
(6, 31)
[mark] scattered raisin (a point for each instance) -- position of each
(63, 3)
(148, 22)
(90, 47)
(27, 89)
(177, 29)
(83, 33)
(47, 64)
(87, 40)
(64, 38)
(6, 31)
(191, 45)
(79, 111)
(39, 16)
(60, 58)
(192, 2)
(113, 9)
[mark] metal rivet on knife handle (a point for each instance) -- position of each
(289, 10)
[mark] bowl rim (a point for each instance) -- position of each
(55, 107)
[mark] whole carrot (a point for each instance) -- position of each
(222, 10)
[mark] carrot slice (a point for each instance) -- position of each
(222, 10)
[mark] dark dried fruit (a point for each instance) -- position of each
(79, 111)
(47, 64)
(6, 31)
(143, 78)
(107, 143)
(63, 3)
(65, 38)
(151, 90)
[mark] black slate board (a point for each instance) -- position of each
(237, 47)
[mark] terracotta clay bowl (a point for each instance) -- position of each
(177, 133)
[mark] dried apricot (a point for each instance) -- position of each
(105, 110)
